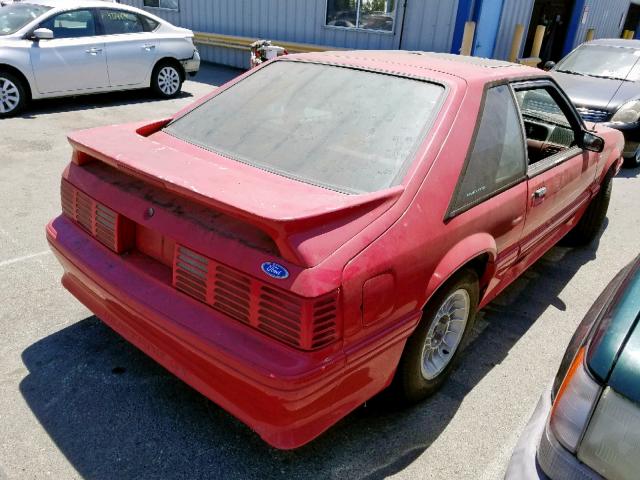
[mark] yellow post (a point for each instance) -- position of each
(590, 34)
(628, 34)
(516, 42)
(467, 38)
(537, 41)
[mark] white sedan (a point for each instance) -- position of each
(56, 48)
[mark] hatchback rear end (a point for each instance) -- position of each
(216, 241)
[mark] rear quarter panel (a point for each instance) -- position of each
(423, 249)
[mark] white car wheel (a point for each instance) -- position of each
(10, 95)
(168, 81)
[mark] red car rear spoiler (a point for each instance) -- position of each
(285, 209)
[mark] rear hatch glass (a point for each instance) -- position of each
(340, 128)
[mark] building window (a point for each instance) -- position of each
(365, 14)
(166, 4)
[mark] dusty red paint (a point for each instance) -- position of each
(396, 240)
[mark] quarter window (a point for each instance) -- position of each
(167, 4)
(364, 14)
(78, 23)
(547, 128)
(497, 157)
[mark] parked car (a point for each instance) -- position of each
(326, 223)
(587, 423)
(56, 48)
(602, 78)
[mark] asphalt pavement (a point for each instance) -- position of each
(77, 401)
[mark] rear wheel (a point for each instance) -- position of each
(12, 95)
(166, 80)
(589, 226)
(633, 162)
(435, 346)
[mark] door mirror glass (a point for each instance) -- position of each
(42, 34)
(592, 143)
(548, 65)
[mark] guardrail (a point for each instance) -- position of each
(242, 43)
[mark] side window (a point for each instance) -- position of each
(148, 24)
(78, 23)
(497, 157)
(116, 22)
(167, 4)
(547, 128)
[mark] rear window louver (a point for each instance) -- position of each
(303, 323)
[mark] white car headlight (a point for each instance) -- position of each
(573, 404)
(627, 113)
(611, 445)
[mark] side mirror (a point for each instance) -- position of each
(548, 65)
(592, 143)
(42, 34)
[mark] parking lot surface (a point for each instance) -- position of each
(77, 401)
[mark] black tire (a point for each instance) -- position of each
(410, 383)
(167, 79)
(633, 162)
(13, 95)
(589, 226)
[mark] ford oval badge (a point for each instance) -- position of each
(275, 270)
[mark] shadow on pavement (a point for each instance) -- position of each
(115, 413)
(210, 74)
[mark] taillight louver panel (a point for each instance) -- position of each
(325, 328)
(280, 315)
(232, 293)
(98, 220)
(302, 323)
(190, 273)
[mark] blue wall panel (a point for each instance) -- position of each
(606, 16)
(513, 12)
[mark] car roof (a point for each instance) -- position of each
(426, 65)
(67, 4)
(615, 42)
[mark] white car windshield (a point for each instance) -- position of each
(15, 16)
(340, 128)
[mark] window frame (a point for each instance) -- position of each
(453, 210)
(575, 121)
(94, 13)
(360, 29)
(103, 30)
(167, 9)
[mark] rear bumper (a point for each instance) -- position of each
(191, 65)
(287, 396)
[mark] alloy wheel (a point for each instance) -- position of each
(168, 80)
(445, 333)
(9, 95)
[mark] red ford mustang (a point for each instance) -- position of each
(327, 224)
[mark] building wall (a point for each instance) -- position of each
(513, 12)
(606, 16)
(428, 26)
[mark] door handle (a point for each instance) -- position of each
(149, 47)
(539, 193)
(94, 51)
